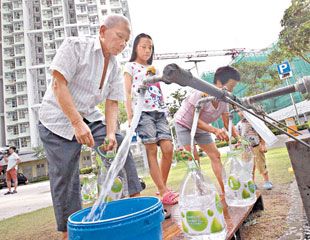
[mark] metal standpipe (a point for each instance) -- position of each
(300, 159)
(298, 147)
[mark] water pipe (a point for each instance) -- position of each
(260, 112)
(264, 120)
(196, 117)
(302, 85)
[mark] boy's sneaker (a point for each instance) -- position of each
(267, 185)
(7, 193)
(14, 191)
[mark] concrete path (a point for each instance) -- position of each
(28, 198)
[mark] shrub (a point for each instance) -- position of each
(86, 170)
(39, 179)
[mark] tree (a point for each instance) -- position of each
(39, 152)
(178, 96)
(259, 76)
(294, 39)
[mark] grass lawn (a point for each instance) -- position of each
(41, 224)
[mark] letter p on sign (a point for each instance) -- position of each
(284, 70)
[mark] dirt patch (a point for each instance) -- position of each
(272, 222)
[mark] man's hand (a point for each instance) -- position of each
(83, 134)
(111, 144)
(221, 135)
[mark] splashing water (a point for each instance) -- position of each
(194, 128)
(118, 163)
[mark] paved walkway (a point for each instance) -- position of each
(28, 198)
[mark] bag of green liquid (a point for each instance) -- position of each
(201, 209)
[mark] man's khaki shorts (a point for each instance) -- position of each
(260, 160)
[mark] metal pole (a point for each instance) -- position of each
(293, 101)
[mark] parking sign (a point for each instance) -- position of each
(284, 70)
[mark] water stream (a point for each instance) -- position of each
(117, 164)
(194, 128)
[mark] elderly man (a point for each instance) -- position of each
(85, 73)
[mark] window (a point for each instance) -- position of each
(20, 87)
(14, 103)
(104, 12)
(83, 9)
(24, 142)
(15, 130)
(38, 39)
(14, 116)
(103, 2)
(21, 101)
(22, 128)
(18, 50)
(20, 74)
(41, 71)
(17, 26)
(22, 114)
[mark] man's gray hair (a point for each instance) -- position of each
(111, 20)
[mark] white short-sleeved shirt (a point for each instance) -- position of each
(153, 100)
(81, 62)
(12, 160)
(184, 116)
(245, 129)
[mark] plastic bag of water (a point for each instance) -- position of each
(237, 176)
(200, 206)
(89, 189)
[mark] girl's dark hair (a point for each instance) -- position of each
(134, 48)
(223, 74)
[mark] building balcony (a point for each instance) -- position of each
(8, 81)
(80, 2)
(10, 108)
(92, 13)
(6, 1)
(10, 121)
(50, 51)
(11, 136)
(23, 92)
(9, 94)
(8, 68)
(25, 134)
(22, 78)
(18, 30)
(8, 56)
(23, 120)
(22, 105)
(17, 7)
(7, 32)
(7, 20)
(6, 10)
(20, 19)
(20, 54)
(8, 44)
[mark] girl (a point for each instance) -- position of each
(153, 127)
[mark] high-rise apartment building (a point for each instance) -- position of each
(31, 31)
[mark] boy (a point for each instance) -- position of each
(245, 129)
(210, 111)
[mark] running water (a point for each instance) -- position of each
(118, 163)
(230, 131)
(194, 128)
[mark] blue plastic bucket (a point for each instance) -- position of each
(126, 219)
